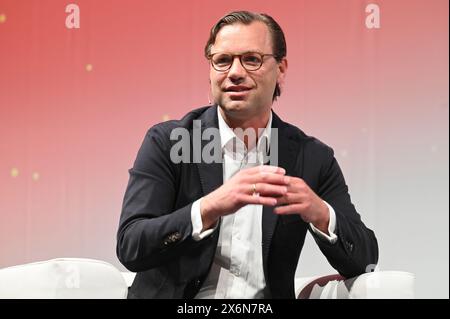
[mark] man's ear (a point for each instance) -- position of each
(282, 70)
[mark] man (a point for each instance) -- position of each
(235, 228)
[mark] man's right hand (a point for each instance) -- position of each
(260, 185)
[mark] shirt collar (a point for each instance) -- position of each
(227, 135)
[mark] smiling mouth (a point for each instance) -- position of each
(238, 92)
(237, 89)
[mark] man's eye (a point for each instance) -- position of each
(222, 60)
(252, 59)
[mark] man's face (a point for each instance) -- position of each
(245, 94)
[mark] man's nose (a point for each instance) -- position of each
(236, 70)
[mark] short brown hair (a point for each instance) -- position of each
(246, 17)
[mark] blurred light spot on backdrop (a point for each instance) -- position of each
(35, 176)
(14, 172)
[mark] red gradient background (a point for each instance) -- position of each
(379, 97)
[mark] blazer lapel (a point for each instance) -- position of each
(211, 177)
(287, 156)
(211, 174)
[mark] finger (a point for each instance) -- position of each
(298, 185)
(289, 209)
(258, 200)
(266, 169)
(291, 198)
(268, 178)
(268, 189)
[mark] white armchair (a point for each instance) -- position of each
(73, 278)
(63, 278)
(373, 285)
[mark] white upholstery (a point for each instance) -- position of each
(74, 278)
(129, 277)
(373, 285)
(70, 278)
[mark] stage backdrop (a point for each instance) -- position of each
(78, 95)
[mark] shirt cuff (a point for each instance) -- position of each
(332, 238)
(197, 224)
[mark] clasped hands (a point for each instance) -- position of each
(265, 185)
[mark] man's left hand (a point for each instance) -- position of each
(301, 199)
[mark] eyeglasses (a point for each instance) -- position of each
(251, 61)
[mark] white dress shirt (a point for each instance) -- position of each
(237, 269)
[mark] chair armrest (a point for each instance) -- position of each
(128, 277)
(373, 285)
(65, 278)
(305, 286)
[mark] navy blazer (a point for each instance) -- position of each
(154, 236)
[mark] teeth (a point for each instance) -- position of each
(238, 90)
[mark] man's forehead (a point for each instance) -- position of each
(243, 37)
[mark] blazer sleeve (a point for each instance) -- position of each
(356, 250)
(151, 231)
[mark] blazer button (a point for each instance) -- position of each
(197, 283)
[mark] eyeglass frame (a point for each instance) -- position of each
(233, 56)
